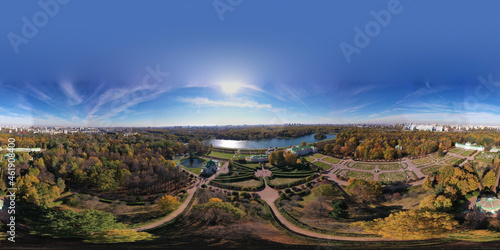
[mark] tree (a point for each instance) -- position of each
(72, 224)
(328, 148)
(168, 203)
(427, 184)
(489, 179)
(339, 210)
(119, 236)
(273, 158)
(411, 225)
(316, 208)
(211, 147)
(433, 202)
(290, 159)
(390, 153)
(364, 191)
(280, 158)
(327, 190)
(440, 152)
(303, 143)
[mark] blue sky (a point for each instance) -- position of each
(194, 62)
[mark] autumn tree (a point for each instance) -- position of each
(490, 179)
(303, 143)
(427, 184)
(364, 191)
(290, 159)
(168, 203)
(273, 158)
(411, 225)
(438, 203)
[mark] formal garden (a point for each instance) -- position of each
(241, 176)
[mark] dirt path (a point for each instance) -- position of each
(174, 214)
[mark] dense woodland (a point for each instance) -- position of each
(376, 143)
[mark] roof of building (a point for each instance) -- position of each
(259, 157)
(489, 204)
(300, 148)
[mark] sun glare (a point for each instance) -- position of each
(230, 87)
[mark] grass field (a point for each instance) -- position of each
(309, 159)
(486, 157)
(455, 150)
(317, 155)
(429, 170)
(322, 165)
(392, 176)
(364, 166)
(331, 160)
(247, 183)
(279, 181)
(393, 166)
(194, 170)
(220, 155)
(411, 174)
(452, 160)
(467, 153)
(421, 161)
(359, 175)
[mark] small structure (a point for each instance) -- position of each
(210, 168)
(301, 150)
(398, 147)
(258, 158)
(489, 204)
(270, 150)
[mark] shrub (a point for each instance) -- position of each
(308, 184)
(235, 193)
(246, 195)
(288, 191)
(244, 188)
(283, 196)
(253, 189)
(468, 196)
(203, 185)
(476, 193)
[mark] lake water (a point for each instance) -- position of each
(193, 163)
(264, 143)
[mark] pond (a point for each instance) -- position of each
(193, 163)
(265, 143)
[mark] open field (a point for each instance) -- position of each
(455, 150)
(221, 155)
(364, 166)
(309, 159)
(280, 181)
(429, 170)
(421, 161)
(392, 176)
(467, 153)
(322, 165)
(331, 160)
(392, 166)
(247, 183)
(317, 155)
(359, 175)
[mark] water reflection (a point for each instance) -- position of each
(264, 143)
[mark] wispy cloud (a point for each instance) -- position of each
(70, 92)
(235, 103)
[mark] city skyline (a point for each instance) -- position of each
(254, 62)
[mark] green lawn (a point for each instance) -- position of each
(392, 176)
(248, 183)
(359, 175)
(364, 166)
(452, 160)
(467, 153)
(421, 161)
(331, 160)
(220, 155)
(280, 181)
(322, 165)
(393, 166)
(309, 159)
(194, 170)
(486, 157)
(455, 150)
(411, 174)
(317, 155)
(429, 170)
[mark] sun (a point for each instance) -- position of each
(230, 87)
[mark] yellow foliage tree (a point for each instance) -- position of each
(411, 225)
(168, 203)
(489, 179)
(215, 199)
